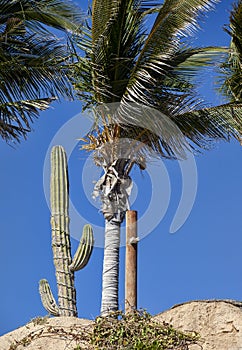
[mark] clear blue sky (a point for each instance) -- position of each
(202, 260)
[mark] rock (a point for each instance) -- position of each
(219, 323)
(58, 333)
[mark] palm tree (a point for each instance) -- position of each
(140, 81)
(33, 61)
(231, 69)
(231, 79)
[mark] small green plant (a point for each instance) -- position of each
(137, 331)
(65, 266)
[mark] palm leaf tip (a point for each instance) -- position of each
(39, 15)
(204, 126)
(16, 117)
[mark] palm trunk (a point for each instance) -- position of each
(110, 267)
(114, 189)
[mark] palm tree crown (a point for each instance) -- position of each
(127, 63)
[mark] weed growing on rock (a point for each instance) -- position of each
(137, 331)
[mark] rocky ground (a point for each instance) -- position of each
(219, 323)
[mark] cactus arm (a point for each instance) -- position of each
(47, 298)
(84, 249)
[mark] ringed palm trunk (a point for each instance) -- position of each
(110, 267)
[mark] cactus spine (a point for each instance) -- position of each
(61, 246)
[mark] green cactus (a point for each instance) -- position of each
(61, 246)
(47, 298)
(84, 249)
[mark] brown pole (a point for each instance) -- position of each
(131, 261)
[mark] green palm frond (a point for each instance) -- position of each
(202, 127)
(104, 13)
(30, 70)
(115, 46)
(231, 69)
(40, 14)
(175, 20)
(121, 44)
(171, 89)
(34, 64)
(174, 90)
(16, 117)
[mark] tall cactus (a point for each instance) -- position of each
(61, 246)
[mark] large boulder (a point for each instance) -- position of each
(219, 323)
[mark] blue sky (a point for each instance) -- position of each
(202, 260)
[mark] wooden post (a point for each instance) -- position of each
(131, 261)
